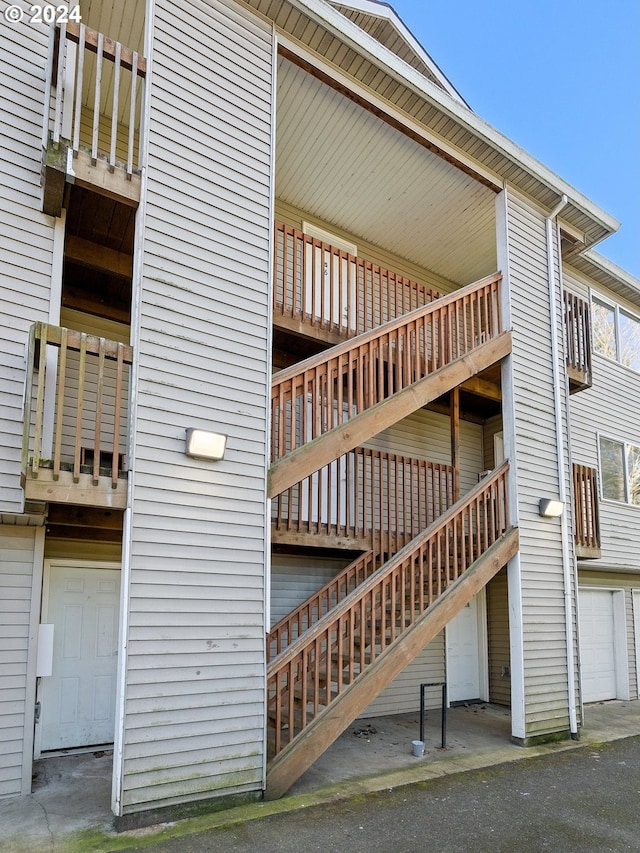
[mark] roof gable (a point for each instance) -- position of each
(384, 24)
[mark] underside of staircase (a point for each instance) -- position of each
(331, 656)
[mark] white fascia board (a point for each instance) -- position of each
(350, 33)
(379, 9)
(616, 273)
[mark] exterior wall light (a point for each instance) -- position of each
(205, 445)
(549, 508)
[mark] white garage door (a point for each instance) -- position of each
(597, 645)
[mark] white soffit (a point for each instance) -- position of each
(340, 163)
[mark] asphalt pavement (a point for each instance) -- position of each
(580, 801)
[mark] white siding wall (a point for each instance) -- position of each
(26, 234)
(545, 663)
(610, 407)
(194, 699)
(17, 546)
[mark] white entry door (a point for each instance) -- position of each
(466, 654)
(597, 645)
(78, 698)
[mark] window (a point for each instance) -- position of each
(620, 471)
(616, 333)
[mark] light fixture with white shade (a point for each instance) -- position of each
(549, 508)
(202, 444)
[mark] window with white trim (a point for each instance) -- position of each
(619, 471)
(616, 332)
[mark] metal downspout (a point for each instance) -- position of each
(571, 673)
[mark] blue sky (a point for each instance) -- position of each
(561, 78)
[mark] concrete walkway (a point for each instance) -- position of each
(69, 809)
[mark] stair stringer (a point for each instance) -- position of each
(322, 450)
(309, 745)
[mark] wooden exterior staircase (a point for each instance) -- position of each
(337, 651)
(333, 654)
(328, 404)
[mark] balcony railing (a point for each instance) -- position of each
(75, 419)
(93, 107)
(322, 290)
(365, 498)
(587, 519)
(577, 320)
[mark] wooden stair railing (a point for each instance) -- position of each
(325, 394)
(317, 605)
(368, 495)
(321, 286)
(326, 664)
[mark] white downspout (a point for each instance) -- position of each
(557, 378)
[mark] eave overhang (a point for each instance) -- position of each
(321, 30)
(608, 275)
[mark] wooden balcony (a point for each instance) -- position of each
(364, 499)
(587, 519)
(577, 320)
(94, 101)
(323, 292)
(75, 418)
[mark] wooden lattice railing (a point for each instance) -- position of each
(324, 286)
(327, 659)
(364, 493)
(586, 514)
(328, 389)
(79, 383)
(577, 320)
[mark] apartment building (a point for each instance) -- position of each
(315, 389)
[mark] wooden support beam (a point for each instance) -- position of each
(455, 441)
(483, 388)
(54, 178)
(92, 254)
(98, 178)
(82, 493)
(312, 456)
(321, 540)
(291, 763)
(304, 328)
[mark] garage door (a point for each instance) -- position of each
(597, 645)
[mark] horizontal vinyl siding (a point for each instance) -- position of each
(295, 578)
(427, 435)
(16, 572)
(610, 407)
(545, 665)
(26, 234)
(626, 582)
(194, 713)
(402, 695)
(498, 639)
